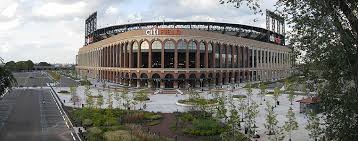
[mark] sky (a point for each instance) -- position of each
(53, 30)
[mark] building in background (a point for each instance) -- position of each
(181, 54)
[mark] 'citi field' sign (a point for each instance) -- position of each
(163, 31)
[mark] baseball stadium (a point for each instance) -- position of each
(184, 54)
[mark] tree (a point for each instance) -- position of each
(117, 98)
(276, 95)
(291, 123)
(74, 96)
(313, 126)
(110, 100)
(327, 31)
(263, 91)
(251, 111)
(271, 119)
(100, 101)
(89, 97)
(291, 93)
(7, 80)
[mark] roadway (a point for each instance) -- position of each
(32, 114)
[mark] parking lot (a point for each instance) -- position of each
(31, 79)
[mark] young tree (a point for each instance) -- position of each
(89, 97)
(74, 96)
(263, 91)
(117, 98)
(7, 80)
(252, 111)
(276, 95)
(271, 119)
(100, 101)
(313, 126)
(291, 123)
(291, 93)
(110, 100)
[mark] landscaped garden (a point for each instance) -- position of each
(116, 124)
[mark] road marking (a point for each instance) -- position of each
(67, 124)
(73, 136)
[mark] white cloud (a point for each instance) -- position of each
(58, 9)
(11, 24)
(111, 10)
(4, 48)
(10, 10)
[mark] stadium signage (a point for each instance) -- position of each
(276, 39)
(162, 31)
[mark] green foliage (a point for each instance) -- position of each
(7, 80)
(313, 126)
(95, 134)
(152, 116)
(85, 82)
(119, 135)
(291, 123)
(20, 65)
(271, 120)
(204, 127)
(56, 77)
(87, 122)
(276, 93)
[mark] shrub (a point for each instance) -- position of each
(85, 82)
(64, 91)
(119, 135)
(133, 118)
(239, 96)
(87, 122)
(152, 116)
(94, 134)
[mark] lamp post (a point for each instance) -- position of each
(201, 84)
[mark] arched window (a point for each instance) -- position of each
(181, 54)
(223, 56)
(210, 55)
(217, 56)
(144, 48)
(229, 56)
(135, 55)
(169, 49)
(192, 55)
(202, 55)
(156, 54)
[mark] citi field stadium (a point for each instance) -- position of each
(182, 54)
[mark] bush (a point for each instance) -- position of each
(94, 134)
(152, 123)
(87, 122)
(204, 127)
(239, 96)
(64, 91)
(134, 118)
(152, 116)
(119, 135)
(85, 82)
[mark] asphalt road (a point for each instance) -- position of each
(32, 114)
(67, 82)
(31, 79)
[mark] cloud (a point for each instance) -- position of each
(111, 10)
(59, 10)
(8, 25)
(10, 10)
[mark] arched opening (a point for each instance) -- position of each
(192, 54)
(143, 80)
(210, 56)
(192, 80)
(229, 57)
(223, 56)
(156, 54)
(181, 54)
(133, 80)
(230, 77)
(202, 80)
(236, 75)
(126, 79)
(217, 78)
(181, 81)
(144, 49)
(156, 80)
(169, 81)
(202, 54)
(210, 79)
(169, 50)
(241, 77)
(217, 56)
(134, 55)
(224, 78)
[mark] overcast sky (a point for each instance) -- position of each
(53, 30)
